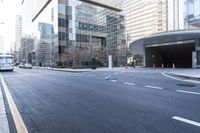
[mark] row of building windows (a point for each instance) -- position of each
(82, 26)
(62, 36)
(90, 27)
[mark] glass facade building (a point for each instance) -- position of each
(73, 32)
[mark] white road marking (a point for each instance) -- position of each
(115, 73)
(17, 75)
(186, 121)
(113, 81)
(189, 92)
(126, 83)
(154, 87)
(184, 80)
(19, 123)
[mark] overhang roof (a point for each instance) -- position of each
(166, 37)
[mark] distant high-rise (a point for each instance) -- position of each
(1, 44)
(18, 27)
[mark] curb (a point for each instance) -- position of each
(4, 127)
(55, 69)
(184, 76)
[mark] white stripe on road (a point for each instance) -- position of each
(186, 121)
(19, 123)
(154, 87)
(126, 83)
(113, 81)
(189, 92)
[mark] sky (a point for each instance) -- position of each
(8, 11)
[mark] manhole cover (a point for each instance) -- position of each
(186, 85)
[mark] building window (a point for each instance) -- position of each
(61, 22)
(61, 8)
(61, 36)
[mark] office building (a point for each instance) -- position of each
(192, 14)
(144, 17)
(72, 32)
(26, 49)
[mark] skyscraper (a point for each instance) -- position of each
(18, 34)
(144, 17)
(18, 27)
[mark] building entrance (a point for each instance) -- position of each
(179, 54)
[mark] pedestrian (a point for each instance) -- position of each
(133, 64)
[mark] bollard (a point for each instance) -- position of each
(173, 65)
(154, 66)
(162, 66)
(126, 66)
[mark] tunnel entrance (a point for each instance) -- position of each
(180, 54)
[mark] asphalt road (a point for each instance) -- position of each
(103, 102)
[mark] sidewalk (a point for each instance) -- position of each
(4, 127)
(81, 70)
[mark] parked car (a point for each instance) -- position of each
(21, 65)
(28, 66)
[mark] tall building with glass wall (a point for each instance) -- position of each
(192, 14)
(73, 32)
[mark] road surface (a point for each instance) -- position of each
(128, 101)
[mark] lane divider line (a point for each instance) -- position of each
(188, 92)
(186, 121)
(154, 87)
(19, 123)
(127, 83)
(113, 81)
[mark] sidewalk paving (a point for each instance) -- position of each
(4, 127)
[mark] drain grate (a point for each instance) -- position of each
(186, 85)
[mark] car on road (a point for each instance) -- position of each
(21, 65)
(28, 66)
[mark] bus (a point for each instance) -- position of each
(6, 62)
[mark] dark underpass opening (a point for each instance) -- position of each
(179, 54)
